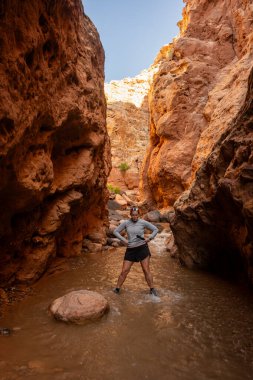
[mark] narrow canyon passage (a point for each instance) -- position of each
(176, 140)
(189, 332)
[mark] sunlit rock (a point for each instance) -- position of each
(202, 134)
(198, 91)
(128, 126)
(79, 306)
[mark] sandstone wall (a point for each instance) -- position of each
(213, 225)
(189, 99)
(202, 139)
(54, 149)
(128, 126)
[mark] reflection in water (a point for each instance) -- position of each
(199, 328)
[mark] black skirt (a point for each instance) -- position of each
(137, 253)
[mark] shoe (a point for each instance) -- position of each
(153, 292)
(116, 290)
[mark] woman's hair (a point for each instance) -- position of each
(134, 208)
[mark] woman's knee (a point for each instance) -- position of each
(125, 272)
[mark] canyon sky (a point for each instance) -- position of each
(132, 32)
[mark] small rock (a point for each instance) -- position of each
(114, 216)
(114, 242)
(166, 215)
(97, 237)
(152, 216)
(3, 296)
(159, 226)
(5, 331)
(79, 306)
(112, 205)
(35, 364)
(111, 229)
(172, 247)
(120, 200)
(92, 247)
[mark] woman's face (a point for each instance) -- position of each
(134, 216)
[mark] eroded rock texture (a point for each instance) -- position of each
(198, 91)
(54, 150)
(128, 126)
(213, 226)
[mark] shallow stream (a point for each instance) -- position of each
(201, 326)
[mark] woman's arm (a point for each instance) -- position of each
(117, 231)
(152, 228)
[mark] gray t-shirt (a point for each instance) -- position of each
(133, 229)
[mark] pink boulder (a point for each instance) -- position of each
(79, 306)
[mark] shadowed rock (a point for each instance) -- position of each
(54, 147)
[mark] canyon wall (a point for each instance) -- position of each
(201, 147)
(213, 225)
(54, 147)
(128, 126)
(188, 90)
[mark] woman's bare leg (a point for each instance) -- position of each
(146, 271)
(125, 270)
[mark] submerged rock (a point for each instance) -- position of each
(79, 307)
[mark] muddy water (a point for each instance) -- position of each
(201, 327)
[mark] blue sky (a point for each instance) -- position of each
(133, 31)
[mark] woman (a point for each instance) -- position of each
(137, 247)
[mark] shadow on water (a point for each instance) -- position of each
(200, 327)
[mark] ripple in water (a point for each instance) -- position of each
(200, 327)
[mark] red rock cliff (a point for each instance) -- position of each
(128, 126)
(213, 225)
(54, 150)
(187, 96)
(202, 136)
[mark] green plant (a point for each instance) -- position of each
(123, 167)
(113, 189)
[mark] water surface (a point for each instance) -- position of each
(200, 327)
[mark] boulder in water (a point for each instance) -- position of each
(79, 307)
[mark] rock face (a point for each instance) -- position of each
(213, 226)
(79, 307)
(202, 136)
(198, 90)
(54, 149)
(128, 126)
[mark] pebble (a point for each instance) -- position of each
(5, 331)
